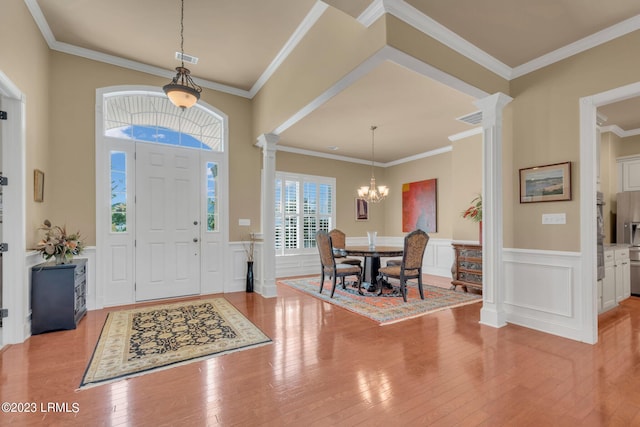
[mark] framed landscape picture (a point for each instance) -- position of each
(549, 183)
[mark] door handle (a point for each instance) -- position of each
(195, 240)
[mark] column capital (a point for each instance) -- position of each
(268, 141)
(491, 106)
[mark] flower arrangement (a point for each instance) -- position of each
(59, 244)
(474, 212)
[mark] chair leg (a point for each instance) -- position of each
(333, 288)
(403, 287)
(342, 282)
(321, 281)
(420, 285)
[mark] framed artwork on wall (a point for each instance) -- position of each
(38, 185)
(548, 183)
(362, 210)
(419, 206)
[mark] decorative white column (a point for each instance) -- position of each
(493, 286)
(268, 143)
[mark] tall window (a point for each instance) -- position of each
(118, 192)
(305, 204)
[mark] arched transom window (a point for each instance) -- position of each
(151, 117)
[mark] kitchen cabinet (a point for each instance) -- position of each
(616, 285)
(629, 173)
(622, 273)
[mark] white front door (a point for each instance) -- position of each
(167, 221)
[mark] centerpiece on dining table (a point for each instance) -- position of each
(57, 243)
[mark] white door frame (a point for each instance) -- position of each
(103, 219)
(588, 185)
(15, 295)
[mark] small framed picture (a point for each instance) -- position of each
(38, 185)
(548, 183)
(362, 210)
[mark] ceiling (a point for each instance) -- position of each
(237, 41)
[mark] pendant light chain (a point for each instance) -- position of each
(182, 32)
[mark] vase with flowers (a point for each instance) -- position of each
(59, 244)
(474, 213)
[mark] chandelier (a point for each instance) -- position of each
(183, 92)
(373, 193)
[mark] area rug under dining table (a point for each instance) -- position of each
(387, 308)
(143, 340)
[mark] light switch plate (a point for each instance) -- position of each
(244, 222)
(556, 218)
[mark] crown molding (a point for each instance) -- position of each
(430, 153)
(618, 30)
(312, 153)
(326, 155)
(617, 130)
(466, 134)
(307, 23)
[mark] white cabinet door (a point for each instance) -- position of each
(626, 279)
(622, 273)
(609, 282)
(629, 174)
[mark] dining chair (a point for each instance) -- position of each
(339, 241)
(330, 267)
(415, 244)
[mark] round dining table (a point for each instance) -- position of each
(372, 255)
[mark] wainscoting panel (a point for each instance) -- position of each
(542, 291)
(238, 276)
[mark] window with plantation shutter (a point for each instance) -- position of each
(304, 205)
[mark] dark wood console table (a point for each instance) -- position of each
(467, 266)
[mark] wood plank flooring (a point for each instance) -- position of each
(330, 367)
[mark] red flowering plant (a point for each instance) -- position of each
(474, 212)
(58, 243)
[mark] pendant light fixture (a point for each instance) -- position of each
(373, 194)
(182, 91)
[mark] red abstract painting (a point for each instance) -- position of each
(419, 206)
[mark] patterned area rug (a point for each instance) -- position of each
(389, 307)
(138, 341)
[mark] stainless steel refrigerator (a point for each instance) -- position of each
(628, 232)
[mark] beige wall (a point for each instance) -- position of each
(25, 60)
(467, 184)
(546, 130)
(629, 146)
(71, 179)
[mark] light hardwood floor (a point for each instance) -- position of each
(328, 367)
